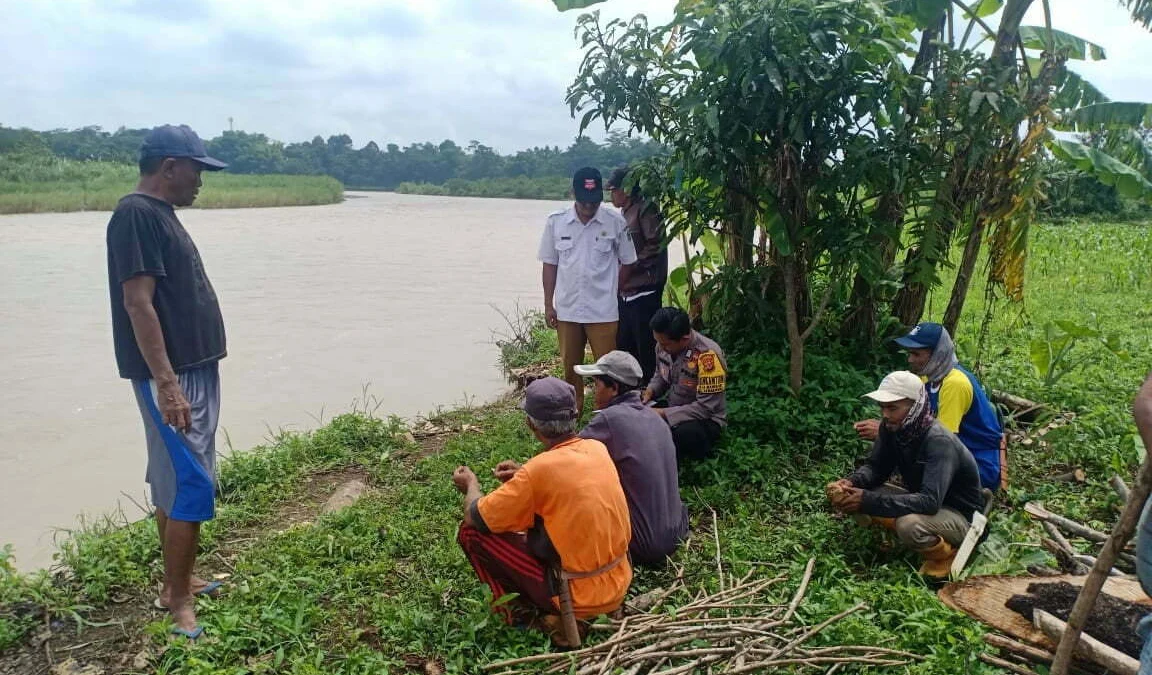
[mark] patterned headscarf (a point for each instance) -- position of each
(914, 427)
(943, 359)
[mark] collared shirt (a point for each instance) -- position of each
(574, 491)
(640, 444)
(588, 256)
(695, 380)
(646, 228)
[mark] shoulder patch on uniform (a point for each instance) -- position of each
(713, 377)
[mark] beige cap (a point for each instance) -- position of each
(897, 386)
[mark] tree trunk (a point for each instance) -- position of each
(1008, 33)
(908, 307)
(964, 275)
(738, 228)
(860, 323)
(795, 341)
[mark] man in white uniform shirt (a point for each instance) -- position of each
(585, 250)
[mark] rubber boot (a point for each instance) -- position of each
(876, 521)
(937, 560)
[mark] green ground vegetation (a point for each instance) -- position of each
(382, 587)
(33, 184)
(377, 166)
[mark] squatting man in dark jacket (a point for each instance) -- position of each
(932, 513)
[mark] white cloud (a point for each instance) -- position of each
(392, 71)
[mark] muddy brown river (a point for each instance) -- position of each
(391, 294)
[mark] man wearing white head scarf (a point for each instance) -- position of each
(957, 399)
(932, 512)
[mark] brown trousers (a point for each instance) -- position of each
(918, 532)
(572, 338)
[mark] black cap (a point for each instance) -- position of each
(587, 185)
(181, 141)
(616, 178)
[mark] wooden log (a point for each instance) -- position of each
(1058, 537)
(1066, 559)
(1045, 571)
(1008, 645)
(1073, 476)
(1006, 665)
(1018, 404)
(1120, 487)
(1086, 646)
(1090, 562)
(1037, 510)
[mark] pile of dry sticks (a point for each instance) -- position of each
(735, 630)
(1070, 560)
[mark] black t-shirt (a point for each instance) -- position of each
(145, 237)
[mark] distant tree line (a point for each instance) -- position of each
(370, 166)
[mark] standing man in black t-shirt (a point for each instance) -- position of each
(169, 338)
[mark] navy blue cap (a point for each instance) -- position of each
(181, 141)
(588, 185)
(923, 336)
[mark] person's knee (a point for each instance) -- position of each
(466, 536)
(913, 532)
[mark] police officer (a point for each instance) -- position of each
(692, 371)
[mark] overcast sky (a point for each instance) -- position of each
(393, 71)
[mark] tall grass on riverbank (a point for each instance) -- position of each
(382, 586)
(521, 187)
(45, 184)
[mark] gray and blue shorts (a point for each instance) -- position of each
(182, 466)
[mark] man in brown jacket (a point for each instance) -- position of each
(642, 292)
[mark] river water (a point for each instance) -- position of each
(393, 294)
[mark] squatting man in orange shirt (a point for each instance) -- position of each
(562, 515)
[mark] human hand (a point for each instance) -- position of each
(463, 478)
(868, 430)
(834, 488)
(174, 407)
(550, 317)
(646, 395)
(848, 500)
(663, 412)
(505, 470)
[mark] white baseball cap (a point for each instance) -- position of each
(618, 365)
(897, 386)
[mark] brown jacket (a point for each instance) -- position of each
(646, 227)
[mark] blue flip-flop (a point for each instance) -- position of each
(207, 591)
(194, 634)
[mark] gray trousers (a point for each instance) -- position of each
(917, 531)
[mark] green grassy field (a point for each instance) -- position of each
(382, 587)
(57, 185)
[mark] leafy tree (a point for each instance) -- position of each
(768, 110)
(947, 150)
